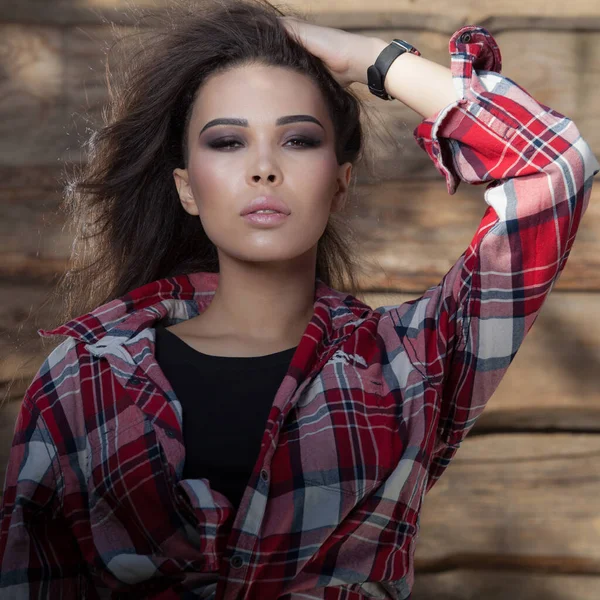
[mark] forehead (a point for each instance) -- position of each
(260, 94)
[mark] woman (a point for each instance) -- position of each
(141, 465)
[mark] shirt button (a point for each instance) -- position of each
(264, 475)
(237, 561)
(170, 433)
(134, 380)
(465, 38)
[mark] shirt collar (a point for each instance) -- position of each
(181, 297)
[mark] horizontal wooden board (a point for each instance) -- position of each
(516, 501)
(500, 584)
(54, 91)
(409, 234)
(33, 112)
(561, 72)
(23, 310)
(553, 382)
(343, 12)
(31, 223)
(412, 232)
(8, 417)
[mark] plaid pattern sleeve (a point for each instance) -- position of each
(39, 555)
(463, 334)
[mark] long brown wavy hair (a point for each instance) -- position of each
(122, 205)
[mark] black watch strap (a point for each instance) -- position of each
(376, 72)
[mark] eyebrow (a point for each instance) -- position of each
(244, 122)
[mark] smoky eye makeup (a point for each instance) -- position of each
(236, 141)
(305, 136)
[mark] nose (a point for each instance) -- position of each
(257, 178)
(263, 167)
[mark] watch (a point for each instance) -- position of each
(376, 72)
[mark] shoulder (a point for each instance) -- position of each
(57, 395)
(59, 371)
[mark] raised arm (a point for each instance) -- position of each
(463, 334)
(479, 127)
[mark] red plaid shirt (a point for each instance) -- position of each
(373, 407)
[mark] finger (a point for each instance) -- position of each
(294, 26)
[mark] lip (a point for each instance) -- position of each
(266, 219)
(266, 203)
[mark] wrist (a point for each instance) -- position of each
(366, 55)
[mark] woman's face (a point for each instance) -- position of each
(230, 165)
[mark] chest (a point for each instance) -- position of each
(343, 429)
(230, 346)
(327, 444)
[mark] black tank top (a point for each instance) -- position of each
(225, 404)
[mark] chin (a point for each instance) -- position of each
(266, 255)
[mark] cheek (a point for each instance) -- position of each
(212, 189)
(208, 178)
(318, 190)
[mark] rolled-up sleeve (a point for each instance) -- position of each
(463, 333)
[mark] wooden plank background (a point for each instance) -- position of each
(517, 512)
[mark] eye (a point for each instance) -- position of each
(301, 143)
(224, 143)
(306, 142)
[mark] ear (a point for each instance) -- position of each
(343, 180)
(182, 182)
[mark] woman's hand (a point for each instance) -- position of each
(346, 55)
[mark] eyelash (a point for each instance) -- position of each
(306, 143)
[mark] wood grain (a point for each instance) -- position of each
(409, 234)
(516, 501)
(33, 111)
(516, 515)
(23, 310)
(490, 584)
(8, 417)
(552, 384)
(342, 13)
(53, 94)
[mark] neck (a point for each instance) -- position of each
(263, 301)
